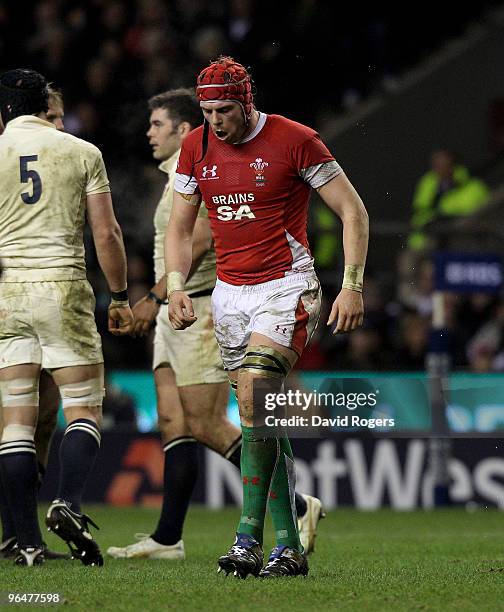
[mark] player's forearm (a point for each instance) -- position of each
(178, 249)
(178, 242)
(112, 257)
(355, 235)
(159, 288)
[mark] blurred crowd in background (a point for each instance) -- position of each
(312, 61)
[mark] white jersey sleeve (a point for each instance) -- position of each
(97, 179)
(320, 174)
(186, 184)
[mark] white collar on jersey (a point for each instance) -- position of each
(28, 121)
(259, 126)
(168, 164)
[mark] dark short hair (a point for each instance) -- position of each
(181, 105)
(22, 92)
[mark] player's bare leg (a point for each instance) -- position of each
(18, 463)
(205, 409)
(81, 389)
(180, 474)
(49, 399)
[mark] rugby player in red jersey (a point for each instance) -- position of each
(255, 172)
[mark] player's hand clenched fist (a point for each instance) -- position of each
(120, 319)
(347, 311)
(180, 310)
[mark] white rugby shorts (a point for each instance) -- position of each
(286, 310)
(192, 353)
(50, 323)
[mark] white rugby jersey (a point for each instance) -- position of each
(45, 176)
(204, 276)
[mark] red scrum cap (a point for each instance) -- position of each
(226, 79)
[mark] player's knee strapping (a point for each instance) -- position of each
(86, 393)
(19, 392)
(17, 439)
(265, 361)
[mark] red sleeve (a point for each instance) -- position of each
(310, 151)
(189, 152)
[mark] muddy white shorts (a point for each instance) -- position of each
(286, 310)
(192, 353)
(51, 323)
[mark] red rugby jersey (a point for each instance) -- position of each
(256, 197)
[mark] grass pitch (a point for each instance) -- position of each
(445, 560)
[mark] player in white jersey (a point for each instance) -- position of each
(50, 180)
(48, 399)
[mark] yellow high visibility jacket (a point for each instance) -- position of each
(467, 196)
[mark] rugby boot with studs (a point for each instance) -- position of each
(243, 558)
(284, 561)
(73, 528)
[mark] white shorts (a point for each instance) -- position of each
(286, 310)
(51, 323)
(192, 353)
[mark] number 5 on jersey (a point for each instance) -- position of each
(26, 175)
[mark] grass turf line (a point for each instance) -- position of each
(449, 560)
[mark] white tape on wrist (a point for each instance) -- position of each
(353, 277)
(175, 282)
(118, 303)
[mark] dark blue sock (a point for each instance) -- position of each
(180, 474)
(8, 526)
(41, 473)
(77, 454)
(233, 453)
(301, 505)
(18, 467)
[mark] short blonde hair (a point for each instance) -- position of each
(55, 97)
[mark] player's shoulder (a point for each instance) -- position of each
(290, 131)
(85, 147)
